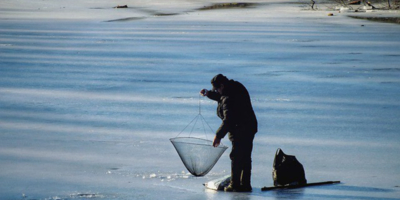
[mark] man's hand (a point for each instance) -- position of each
(216, 141)
(204, 92)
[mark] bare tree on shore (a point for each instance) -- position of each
(373, 4)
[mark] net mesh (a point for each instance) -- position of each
(198, 155)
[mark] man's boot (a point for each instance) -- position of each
(246, 181)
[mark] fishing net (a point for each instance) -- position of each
(197, 154)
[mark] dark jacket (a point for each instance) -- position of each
(235, 110)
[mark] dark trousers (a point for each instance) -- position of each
(242, 146)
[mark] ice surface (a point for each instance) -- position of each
(87, 106)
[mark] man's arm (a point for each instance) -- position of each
(227, 121)
(210, 94)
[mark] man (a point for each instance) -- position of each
(240, 123)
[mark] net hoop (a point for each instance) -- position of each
(207, 142)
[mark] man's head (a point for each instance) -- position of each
(219, 82)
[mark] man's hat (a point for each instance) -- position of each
(218, 80)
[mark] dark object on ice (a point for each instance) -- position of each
(198, 155)
(355, 3)
(124, 6)
(298, 186)
(287, 170)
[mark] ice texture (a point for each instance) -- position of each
(90, 95)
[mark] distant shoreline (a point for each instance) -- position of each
(395, 20)
(105, 11)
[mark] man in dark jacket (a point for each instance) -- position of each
(240, 123)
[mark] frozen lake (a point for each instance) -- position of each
(87, 106)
